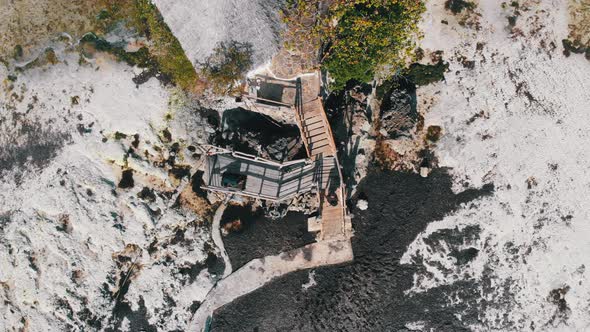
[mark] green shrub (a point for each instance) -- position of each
(433, 133)
(368, 34)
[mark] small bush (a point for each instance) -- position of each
(228, 63)
(17, 53)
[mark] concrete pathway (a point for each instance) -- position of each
(258, 272)
(218, 240)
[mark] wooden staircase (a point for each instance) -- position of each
(316, 130)
(314, 126)
(321, 148)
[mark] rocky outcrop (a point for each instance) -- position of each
(398, 111)
(351, 117)
(250, 132)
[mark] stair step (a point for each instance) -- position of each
(311, 113)
(323, 149)
(331, 210)
(315, 125)
(328, 161)
(319, 144)
(317, 138)
(325, 167)
(315, 132)
(312, 119)
(315, 105)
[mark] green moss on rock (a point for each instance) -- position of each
(433, 133)
(425, 74)
(166, 48)
(164, 51)
(457, 6)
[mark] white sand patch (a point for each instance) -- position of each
(519, 120)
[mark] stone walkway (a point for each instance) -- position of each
(259, 272)
(218, 240)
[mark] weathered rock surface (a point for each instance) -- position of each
(201, 25)
(257, 134)
(398, 110)
(350, 114)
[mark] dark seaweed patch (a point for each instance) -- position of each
(197, 182)
(180, 171)
(137, 319)
(147, 194)
(465, 256)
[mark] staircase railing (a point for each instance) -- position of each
(298, 108)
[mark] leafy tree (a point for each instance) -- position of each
(364, 35)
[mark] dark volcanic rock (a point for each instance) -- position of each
(465, 256)
(258, 236)
(258, 134)
(368, 293)
(399, 114)
(127, 179)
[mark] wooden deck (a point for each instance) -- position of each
(264, 179)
